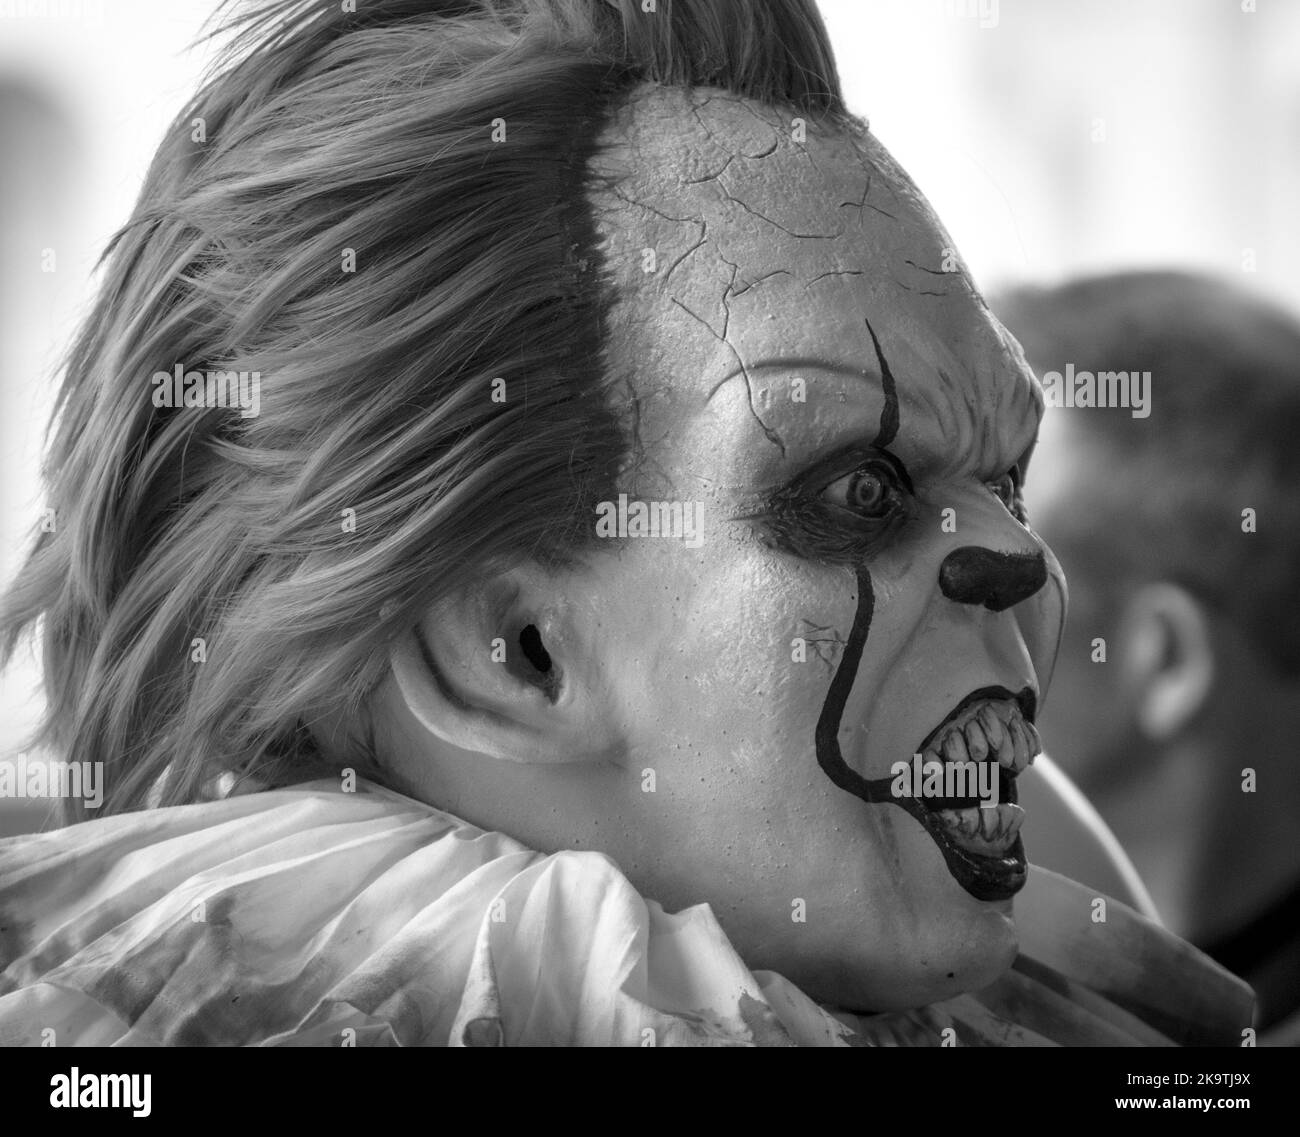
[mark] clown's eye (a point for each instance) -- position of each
(870, 492)
(1007, 489)
(847, 507)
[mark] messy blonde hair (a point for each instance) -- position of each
(439, 149)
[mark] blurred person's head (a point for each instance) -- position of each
(1178, 523)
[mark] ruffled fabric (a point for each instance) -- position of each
(313, 916)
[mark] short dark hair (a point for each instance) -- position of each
(1223, 435)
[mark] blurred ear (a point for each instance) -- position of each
(1166, 658)
(506, 667)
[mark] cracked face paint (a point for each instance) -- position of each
(793, 357)
(807, 358)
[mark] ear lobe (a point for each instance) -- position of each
(1168, 658)
(497, 670)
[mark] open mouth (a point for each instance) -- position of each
(980, 843)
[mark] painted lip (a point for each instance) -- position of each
(984, 876)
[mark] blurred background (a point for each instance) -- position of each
(1055, 139)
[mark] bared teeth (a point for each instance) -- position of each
(992, 726)
(1035, 741)
(989, 825)
(1007, 749)
(1013, 817)
(954, 747)
(989, 831)
(992, 732)
(1022, 749)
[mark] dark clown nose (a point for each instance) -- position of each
(971, 575)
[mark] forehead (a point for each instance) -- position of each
(751, 249)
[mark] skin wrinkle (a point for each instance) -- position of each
(716, 173)
(772, 221)
(918, 291)
(833, 272)
(756, 283)
(739, 105)
(667, 204)
(641, 456)
(704, 236)
(829, 647)
(699, 243)
(890, 173)
(879, 161)
(729, 290)
(768, 432)
(922, 268)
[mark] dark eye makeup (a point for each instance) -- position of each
(852, 503)
(844, 507)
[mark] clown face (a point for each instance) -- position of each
(808, 371)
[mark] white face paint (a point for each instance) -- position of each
(808, 367)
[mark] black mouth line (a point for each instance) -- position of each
(984, 876)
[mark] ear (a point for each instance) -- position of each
(506, 667)
(1166, 658)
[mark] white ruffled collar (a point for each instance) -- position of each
(313, 916)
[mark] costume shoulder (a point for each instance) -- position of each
(1094, 972)
(1065, 833)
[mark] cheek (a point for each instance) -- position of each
(737, 645)
(724, 668)
(725, 658)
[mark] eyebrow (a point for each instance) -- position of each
(884, 382)
(779, 363)
(889, 412)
